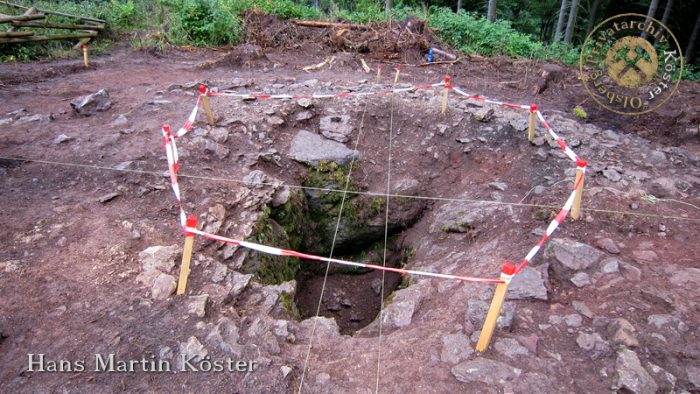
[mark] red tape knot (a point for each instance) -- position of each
(581, 163)
(508, 268)
(203, 89)
(533, 107)
(447, 79)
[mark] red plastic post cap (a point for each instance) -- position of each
(447, 79)
(398, 69)
(508, 268)
(581, 163)
(533, 107)
(166, 127)
(85, 46)
(202, 89)
(191, 221)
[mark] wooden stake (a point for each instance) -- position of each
(186, 256)
(207, 106)
(396, 78)
(446, 91)
(578, 184)
(85, 56)
(533, 123)
(495, 309)
(379, 72)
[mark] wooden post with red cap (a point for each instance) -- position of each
(578, 184)
(186, 255)
(205, 103)
(533, 123)
(445, 92)
(495, 309)
(85, 56)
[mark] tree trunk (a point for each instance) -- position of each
(592, 15)
(459, 5)
(560, 21)
(664, 19)
(316, 5)
(491, 14)
(571, 26)
(650, 14)
(387, 6)
(693, 38)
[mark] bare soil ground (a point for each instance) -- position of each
(69, 262)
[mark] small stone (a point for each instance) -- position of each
(693, 373)
(163, 286)
(510, 348)
(662, 320)
(610, 266)
(631, 376)
(304, 115)
(541, 154)
(528, 284)
(274, 120)
(239, 283)
(490, 372)
(192, 350)
(158, 257)
(61, 138)
(92, 103)
(255, 179)
(197, 305)
(608, 245)
(645, 255)
(305, 103)
(219, 134)
(108, 197)
(455, 348)
(285, 370)
(581, 279)
(623, 333)
(519, 124)
(593, 343)
(631, 272)
(573, 320)
(484, 114)
(582, 308)
(498, 186)
(442, 129)
(121, 120)
(612, 175)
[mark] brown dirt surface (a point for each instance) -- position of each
(69, 268)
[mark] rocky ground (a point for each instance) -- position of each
(92, 248)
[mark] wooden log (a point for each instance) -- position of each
(16, 33)
(45, 38)
(10, 19)
(83, 18)
(330, 24)
(28, 12)
(58, 26)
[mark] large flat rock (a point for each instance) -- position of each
(311, 148)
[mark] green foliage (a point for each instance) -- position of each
(290, 306)
(580, 112)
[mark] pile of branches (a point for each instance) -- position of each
(408, 40)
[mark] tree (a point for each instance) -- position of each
(690, 49)
(459, 5)
(560, 21)
(571, 25)
(491, 14)
(592, 14)
(664, 19)
(653, 5)
(387, 6)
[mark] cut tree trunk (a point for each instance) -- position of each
(330, 24)
(560, 21)
(459, 5)
(387, 6)
(550, 73)
(571, 26)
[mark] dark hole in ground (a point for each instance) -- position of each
(352, 297)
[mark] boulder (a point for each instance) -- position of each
(568, 257)
(311, 149)
(528, 284)
(455, 348)
(460, 217)
(336, 127)
(159, 257)
(163, 286)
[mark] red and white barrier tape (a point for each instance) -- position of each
(487, 100)
(321, 96)
(292, 253)
(174, 166)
